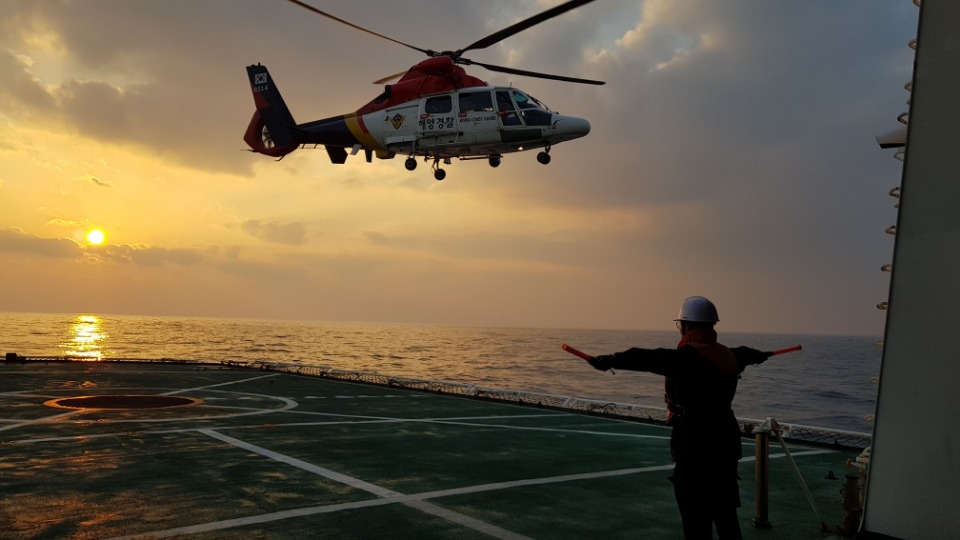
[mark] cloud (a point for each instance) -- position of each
(18, 241)
(97, 109)
(65, 223)
(24, 89)
(292, 234)
(14, 240)
(731, 148)
(89, 178)
(148, 255)
(378, 238)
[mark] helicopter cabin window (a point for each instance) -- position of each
(475, 102)
(505, 110)
(534, 113)
(438, 105)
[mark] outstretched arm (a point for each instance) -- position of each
(749, 357)
(659, 361)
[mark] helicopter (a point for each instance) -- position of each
(435, 111)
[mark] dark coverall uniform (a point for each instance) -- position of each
(705, 443)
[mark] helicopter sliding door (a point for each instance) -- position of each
(437, 128)
(477, 118)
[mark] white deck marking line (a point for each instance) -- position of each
(421, 505)
(389, 497)
(554, 430)
(571, 477)
(288, 404)
(45, 419)
(420, 497)
(228, 383)
(309, 467)
(539, 481)
(256, 520)
(748, 459)
(466, 521)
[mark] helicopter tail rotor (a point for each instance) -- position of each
(259, 140)
(269, 130)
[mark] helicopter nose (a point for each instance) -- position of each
(571, 127)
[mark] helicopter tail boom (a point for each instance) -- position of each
(273, 131)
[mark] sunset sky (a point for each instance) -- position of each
(732, 155)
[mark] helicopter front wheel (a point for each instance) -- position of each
(494, 161)
(410, 163)
(543, 157)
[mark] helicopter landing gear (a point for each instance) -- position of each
(439, 173)
(544, 157)
(494, 161)
(410, 163)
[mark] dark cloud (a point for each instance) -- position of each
(98, 110)
(24, 90)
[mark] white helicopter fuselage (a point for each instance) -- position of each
(469, 123)
(435, 110)
(472, 121)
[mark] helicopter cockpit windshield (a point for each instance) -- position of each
(533, 111)
(526, 101)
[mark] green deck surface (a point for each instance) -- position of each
(272, 455)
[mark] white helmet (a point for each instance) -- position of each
(698, 309)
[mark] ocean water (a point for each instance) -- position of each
(827, 384)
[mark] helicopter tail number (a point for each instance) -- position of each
(269, 129)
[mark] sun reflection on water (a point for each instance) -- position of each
(85, 339)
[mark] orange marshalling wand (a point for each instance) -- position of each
(788, 349)
(573, 351)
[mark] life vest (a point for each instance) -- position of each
(720, 359)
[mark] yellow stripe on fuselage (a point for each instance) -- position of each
(361, 135)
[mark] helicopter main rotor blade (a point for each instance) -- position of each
(389, 78)
(526, 73)
(362, 29)
(521, 26)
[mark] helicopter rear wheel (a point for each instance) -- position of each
(494, 161)
(410, 164)
(439, 173)
(543, 157)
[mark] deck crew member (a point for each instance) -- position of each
(701, 379)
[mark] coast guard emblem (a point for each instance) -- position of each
(397, 120)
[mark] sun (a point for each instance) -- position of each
(95, 236)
